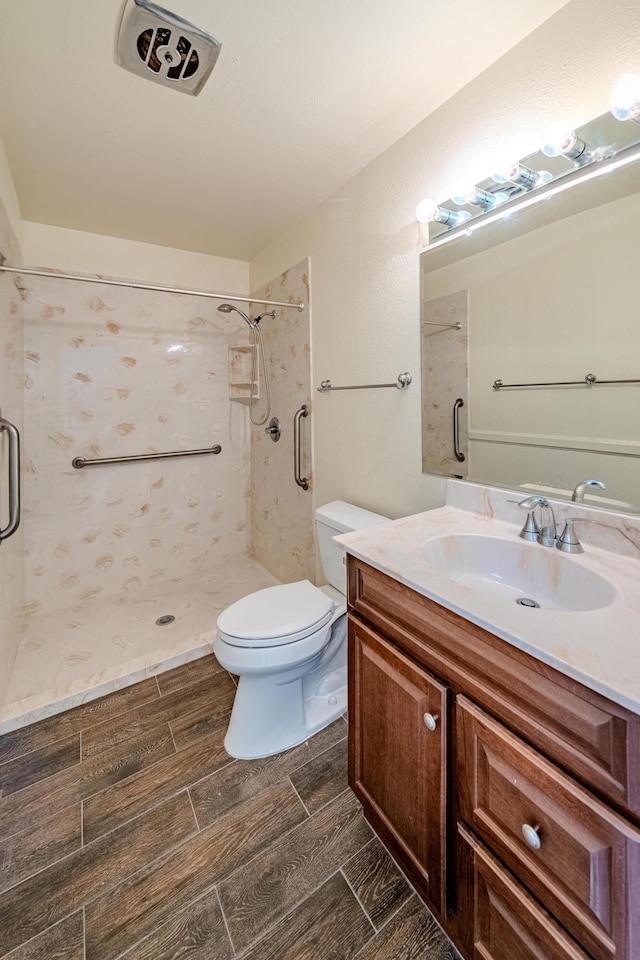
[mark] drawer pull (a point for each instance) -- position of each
(430, 721)
(530, 835)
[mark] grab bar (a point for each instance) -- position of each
(403, 381)
(14, 479)
(460, 457)
(80, 462)
(297, 463)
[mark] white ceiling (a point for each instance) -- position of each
(305, 93)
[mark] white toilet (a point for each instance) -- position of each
(288, 645)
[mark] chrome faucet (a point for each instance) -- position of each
(579, 491)
(545, 533)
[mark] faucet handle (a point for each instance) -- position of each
(568, 541)
(530, 530)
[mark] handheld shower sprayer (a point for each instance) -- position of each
(256, 339)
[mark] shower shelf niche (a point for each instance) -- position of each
(241, 364)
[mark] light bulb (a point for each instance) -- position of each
(428, 211)
(478, 198)
(561, 141)
(625, 101)
(522, 176)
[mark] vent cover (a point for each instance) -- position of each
(156, 44)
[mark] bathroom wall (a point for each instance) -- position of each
(114, 372)
(76, 251)
(364, 244)
(281, 511)
(11, 406)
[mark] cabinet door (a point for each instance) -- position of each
(397, 755)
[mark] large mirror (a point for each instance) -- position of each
(515, 320)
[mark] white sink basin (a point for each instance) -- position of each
(515, 570)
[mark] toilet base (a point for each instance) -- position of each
(275, 712)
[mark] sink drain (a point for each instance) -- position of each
(527, 602)
(163, 621)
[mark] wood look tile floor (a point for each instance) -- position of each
(127, 830)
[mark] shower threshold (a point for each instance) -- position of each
(74, 654)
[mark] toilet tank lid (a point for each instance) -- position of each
(345, 517)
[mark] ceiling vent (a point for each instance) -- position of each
(156, 44)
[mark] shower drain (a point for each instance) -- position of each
(163, 621)
(527, 602)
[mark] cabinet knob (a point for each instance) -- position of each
(430, 721)
(530, 835)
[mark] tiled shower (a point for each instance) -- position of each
(103, 552)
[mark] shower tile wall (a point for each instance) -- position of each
(11, 550)
(282, 512)
(115, 372)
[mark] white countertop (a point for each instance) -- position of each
(600, 648)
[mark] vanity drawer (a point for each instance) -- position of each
(587, 735)
(506, 923)
(579, 857)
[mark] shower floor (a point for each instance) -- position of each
(70, 655)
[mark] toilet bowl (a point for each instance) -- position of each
(288, 646)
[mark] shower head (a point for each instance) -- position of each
(159, 45)
(229, 308)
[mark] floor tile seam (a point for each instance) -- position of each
(193, 810)
(224, 920)
(282, 836)
(21, 946)
(360, 903)
(145, 770)
(327, 802)
(298, 796)
(3, 796)
(49, 743)
(227, 876)
(200, 780)
(292, 909)
(316, 756)
(172, 915)
(140, 707)
(131, 776)
(98, 755)
(155, 677)
(84, 903)
(190, 683)
(141, 813)
(107, 891)
(36, 873)
(84, 932)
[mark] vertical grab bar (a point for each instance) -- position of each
(460, 457)
(14, 479)
(297, 462)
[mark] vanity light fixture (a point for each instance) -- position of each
(428, 211)
(598, 170)
(625, 101)
(477, 197)
(561, 141)
(522, 176)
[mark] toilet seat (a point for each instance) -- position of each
(276, 616)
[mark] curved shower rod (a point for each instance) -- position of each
(135, 285)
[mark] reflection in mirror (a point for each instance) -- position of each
(543, 300)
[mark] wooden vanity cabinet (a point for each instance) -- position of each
(515, 808)
(398, 764)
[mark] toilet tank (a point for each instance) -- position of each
(334, 518)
